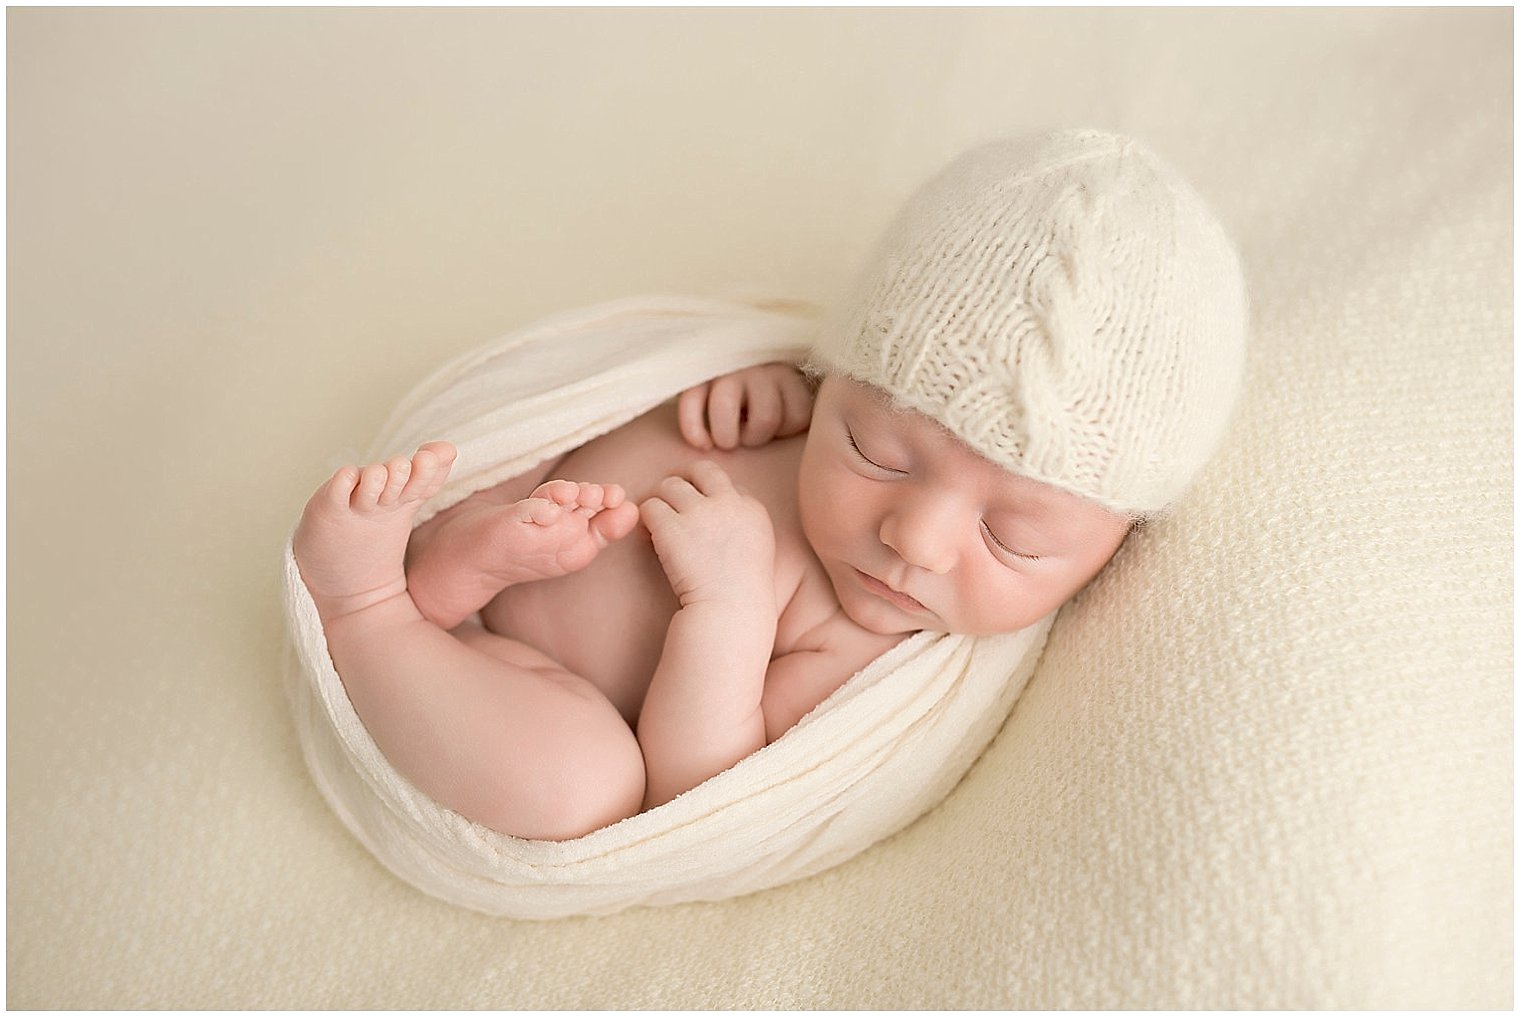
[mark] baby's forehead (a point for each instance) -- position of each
(896, 414)
(891, 407)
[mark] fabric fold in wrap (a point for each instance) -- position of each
(884, 749)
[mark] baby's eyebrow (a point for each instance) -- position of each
(888, 409)
(1032, 513)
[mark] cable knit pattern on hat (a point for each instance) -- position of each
(1066, 305)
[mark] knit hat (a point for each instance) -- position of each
(1067, 306)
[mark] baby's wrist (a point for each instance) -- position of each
(731, 631)
(734, 598)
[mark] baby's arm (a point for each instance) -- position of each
(702, 713)
(749, 407)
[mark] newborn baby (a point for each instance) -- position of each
(1045, 349)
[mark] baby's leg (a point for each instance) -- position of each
(487, 544)
(507, 738)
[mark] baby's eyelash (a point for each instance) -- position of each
(1017, 554)
(856, 449)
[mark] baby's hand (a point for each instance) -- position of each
(715, 542)
(749, 407)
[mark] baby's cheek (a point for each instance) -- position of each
(1004, 602)
(812, 509)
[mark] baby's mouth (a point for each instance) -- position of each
(890, 595)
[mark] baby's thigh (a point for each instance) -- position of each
(487, 726)
(557, 721)
(522, 656)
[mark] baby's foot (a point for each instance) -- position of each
(351, 541)
(478, 553)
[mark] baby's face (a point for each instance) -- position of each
(917, 531)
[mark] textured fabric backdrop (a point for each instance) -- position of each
(1266, 760)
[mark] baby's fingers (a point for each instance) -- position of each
(700, 480)
(762, 411)
(724, 401)
(678, 492)
(691, 415)
(709, 478)
(797, 405)
(654, 513)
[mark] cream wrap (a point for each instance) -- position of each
(885, 748)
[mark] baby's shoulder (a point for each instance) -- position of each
(812, 620)
(838, 638)
(818, 649)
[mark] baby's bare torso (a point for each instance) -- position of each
(607, 623)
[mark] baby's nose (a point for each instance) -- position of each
(920, 539)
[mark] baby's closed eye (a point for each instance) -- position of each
(868, 460)
(1001, 545)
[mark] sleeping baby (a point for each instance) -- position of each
(1044, 350)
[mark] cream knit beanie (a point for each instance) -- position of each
(1064, 304)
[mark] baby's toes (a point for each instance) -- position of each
(590, 499)
(444, 452)
(596, 498)
(539, 511)
(398, 470)
(430, 467)
(614, 523)
(560, 492)
(372, 479)
(339, 489)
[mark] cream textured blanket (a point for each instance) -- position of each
(1266, 760)
(872, 758)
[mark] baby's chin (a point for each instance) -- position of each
(888, 630)
(884, 621)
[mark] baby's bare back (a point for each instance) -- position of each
(607, 623)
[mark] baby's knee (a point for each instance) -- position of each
(594, 786)
(598, 791)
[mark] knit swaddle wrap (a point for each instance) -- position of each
(1066, 305)
(881, 751)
